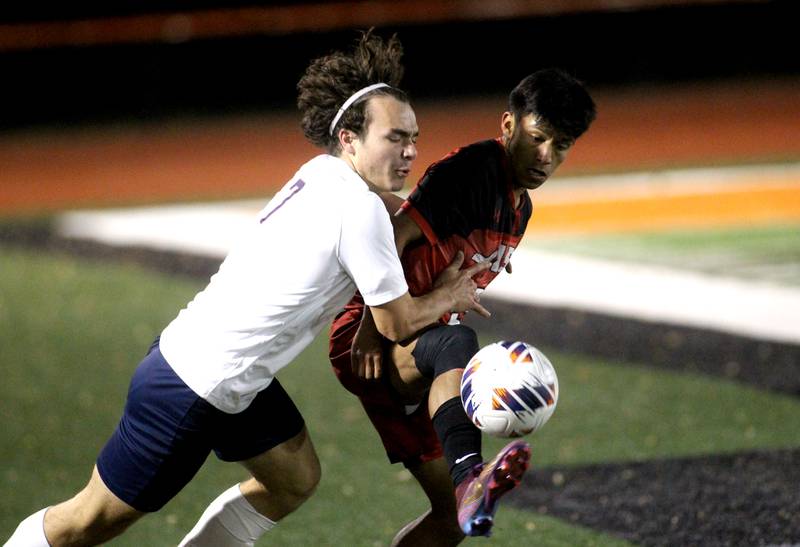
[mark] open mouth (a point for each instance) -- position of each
(537, 175)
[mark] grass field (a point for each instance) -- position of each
(766, 252)
(72, 331)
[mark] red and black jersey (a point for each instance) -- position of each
(465, 202)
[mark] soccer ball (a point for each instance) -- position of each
(509, 389)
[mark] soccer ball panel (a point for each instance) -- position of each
(509, 389)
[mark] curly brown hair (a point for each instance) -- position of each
(330, 80)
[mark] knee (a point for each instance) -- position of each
(304, 478)
(463, 338)
(292, 489)
(306, 481)
(445, 348)
(79, 525)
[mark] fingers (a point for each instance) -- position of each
(368, 366)
(477, 267)
(377, 369)
(372, 367)
(458, 260)
(480, 310)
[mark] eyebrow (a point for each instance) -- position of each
(554, 134)
(404, 133)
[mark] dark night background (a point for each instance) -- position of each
(213, 76)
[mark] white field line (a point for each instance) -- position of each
(756, 309)
(204, 229)
(655, 294)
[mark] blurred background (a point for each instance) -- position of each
(670, 237)
(90, 94)
(145, 60)
(664, 73)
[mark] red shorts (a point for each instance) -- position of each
(407, 438)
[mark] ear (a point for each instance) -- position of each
(507, 124)
(346, 139)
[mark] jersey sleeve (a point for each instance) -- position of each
(367, 251)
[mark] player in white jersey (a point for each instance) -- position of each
(209, 382)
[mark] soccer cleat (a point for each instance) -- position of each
(477, 496)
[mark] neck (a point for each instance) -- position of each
(348, 159)
(518, 192)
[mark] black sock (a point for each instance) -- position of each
(460, 438)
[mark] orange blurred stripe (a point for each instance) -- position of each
(743, 206)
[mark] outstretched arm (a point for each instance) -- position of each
(400, 319)
(454, 291)
(366, 355)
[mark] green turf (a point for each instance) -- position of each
(71, 333)
(767, 252)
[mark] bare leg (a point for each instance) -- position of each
(409, 382)
(95, 515)
(283, 478)
(437, 527)
(444, 387)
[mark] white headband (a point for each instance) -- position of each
(353, 98)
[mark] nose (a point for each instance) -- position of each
(410, 151)
(545, 152)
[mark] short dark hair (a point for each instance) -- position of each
(557, 98)
(330, 80)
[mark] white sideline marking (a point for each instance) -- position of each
(751, 308)
(205, 229)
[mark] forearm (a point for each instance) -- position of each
(454, 291)
(404, 317)
(428, 309)
(368, 325)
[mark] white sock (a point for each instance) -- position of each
(230, 521)
(30, 532)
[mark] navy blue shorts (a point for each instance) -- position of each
(167, 431)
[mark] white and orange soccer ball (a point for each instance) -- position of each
(509, 389)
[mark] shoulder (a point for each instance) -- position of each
(477, 151)
(470, 159)
(332, 177)
(326, 169)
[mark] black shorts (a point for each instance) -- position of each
(167, 431)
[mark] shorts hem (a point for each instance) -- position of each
(252, 452)
(121, 497)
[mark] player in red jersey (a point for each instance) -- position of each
(473, 202)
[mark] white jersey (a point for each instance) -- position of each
(321, 237)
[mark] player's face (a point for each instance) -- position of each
(536, 149)
(387, 147)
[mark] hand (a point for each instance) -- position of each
(366, 354)
(463, 290)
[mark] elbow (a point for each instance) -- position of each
(394, 335)
(401, 320)
(398, 331)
